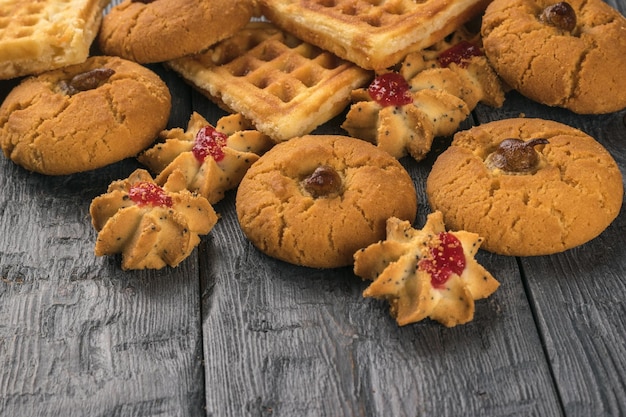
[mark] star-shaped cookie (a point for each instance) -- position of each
(444, 82)
(151, 226)
(425, 273)
(212, 159)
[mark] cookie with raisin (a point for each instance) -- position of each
(527, 186)
(83, 116)
(563, 54)
(317, 199)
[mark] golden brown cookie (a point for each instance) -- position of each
(83, 116)
(159, 30)
(316, 200)
(423, 273)
(565, 54)
(527, 186)
(151, 226)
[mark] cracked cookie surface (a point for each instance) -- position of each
(578, 66)
(569, 197)
(156, 31)
(84, 116)
(315, 200)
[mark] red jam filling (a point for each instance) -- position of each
(209, 142)
(447, 259)
(459, 54)
(390, 89)
(147, 193)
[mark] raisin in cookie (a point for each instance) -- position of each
(155, 31)
(315, 200)
(565, 54)
(528, 186)
(84, 116)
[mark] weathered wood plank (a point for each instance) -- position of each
(78, 335)
(304, 342)
(578, 295)
(285, 340)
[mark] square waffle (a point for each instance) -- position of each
(375, 34)
(40, 35)
(284, 86)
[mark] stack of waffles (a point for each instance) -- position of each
(295, 72)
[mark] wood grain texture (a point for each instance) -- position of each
(304, 342)
(283, 340)
(78, 335)
(578, 295)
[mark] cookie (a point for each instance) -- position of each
(212, 159)
(150, 226)
(317, 199)
(84, 116)
(424, 273)
(433, 92)
(567, 54)
(527, 186)
(157, 31)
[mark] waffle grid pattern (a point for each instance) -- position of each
(39, 35)
(285, 86)
(374, 34)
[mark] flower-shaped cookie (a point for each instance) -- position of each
(433, 92)
(213, 160)
(151, 226)
(425, 273)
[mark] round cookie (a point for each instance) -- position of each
(559, 55)
(315, 200)
(161, 30)
(83, 116)
(549, 189)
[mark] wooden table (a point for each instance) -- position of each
(231, 332)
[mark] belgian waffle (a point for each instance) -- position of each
(37, 36)
(375, 34)
(284, 86)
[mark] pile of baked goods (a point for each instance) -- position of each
(402, 72)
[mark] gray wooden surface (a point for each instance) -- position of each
(231, 332)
